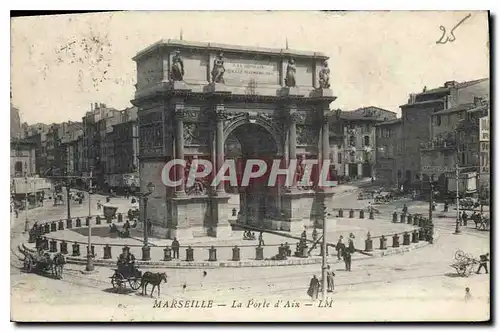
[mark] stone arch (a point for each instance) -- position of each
(259, 121)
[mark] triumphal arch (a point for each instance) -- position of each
(217, 102)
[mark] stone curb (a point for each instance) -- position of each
(246, 263)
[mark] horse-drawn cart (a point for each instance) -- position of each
(44, 263)
(464, 263)
(121, 277)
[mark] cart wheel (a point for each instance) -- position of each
(459, 254)
(117, 281)
(462, 270)
(135, 283)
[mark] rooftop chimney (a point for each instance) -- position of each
(450, 84)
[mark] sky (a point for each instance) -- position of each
(62, 64)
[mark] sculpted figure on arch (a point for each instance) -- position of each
(290, 74)
(218, 69)
(177, 69)
(324, 76)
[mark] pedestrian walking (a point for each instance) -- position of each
(313, 290)
(483, 262)
(464, 219)
(261, 240)
(329, 278)
(340, 247)
(175, 248)
(347, 260)
(314, 234)
(446, 206)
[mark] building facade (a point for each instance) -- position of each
(22, 158)
(359, 145)
(426, 133)
(389, 155)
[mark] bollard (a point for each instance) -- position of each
(259, 253)
(120, 217)
(341, 213)
(212, 254)
(53, 226)
(371, 215)
(395, 217)
(146, 253)
(415, 219)
(87, 221)
(395, 241)
(53, 246)
(92, 252)
(69, 223)
(78, 222)
(361, 214)
(97, 220)
(236, 253)
(63, 247)
(46, 228)
(421, 234)
(107, 252)
(189, 254)
(351, 213)
(167, 254)
(383, 243)
(76, 249)
(414, 236)
(45, 244)
(368, 243)
(406, 239)
(402, 218)
(408, 221)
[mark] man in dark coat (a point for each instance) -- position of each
(347, 260)
(261, 240)
(483, 262)
(464, 218)
(329, 278)
(175, 248)
(313, 290)
(340, 247)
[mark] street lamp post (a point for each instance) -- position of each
(26, 206)
(68, 190)
(323, 258)
(146, 251)
(457, 196)
(90, 263)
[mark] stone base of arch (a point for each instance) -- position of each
(199, 216)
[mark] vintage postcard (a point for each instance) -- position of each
(250, 166)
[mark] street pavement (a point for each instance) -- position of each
(417, 285)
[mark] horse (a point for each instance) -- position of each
(58, 262)
(154, 279)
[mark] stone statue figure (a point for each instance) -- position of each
(218, 69)
(324, 76)
(177, 69)
(290, 74)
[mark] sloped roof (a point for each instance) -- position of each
(390, 122)
(457, 108)
(460, 85)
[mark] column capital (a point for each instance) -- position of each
(180, 114)
(296, 117)
(220, 114)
